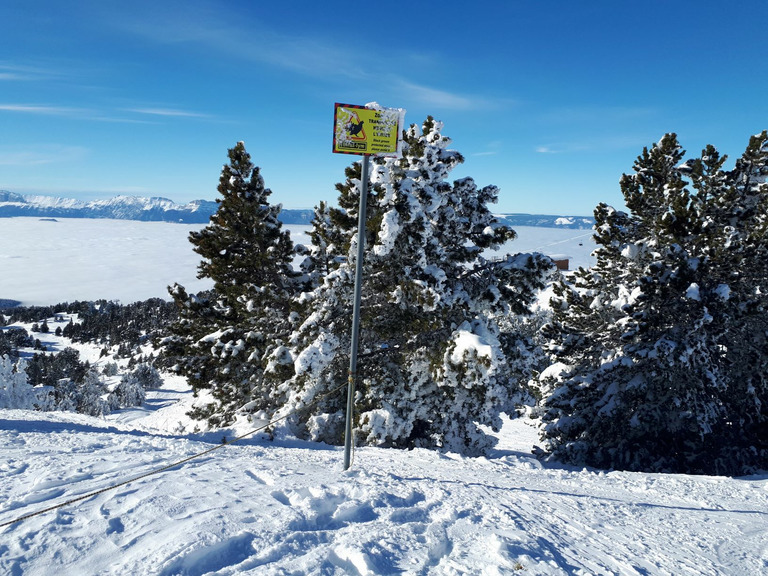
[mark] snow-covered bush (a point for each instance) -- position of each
(129, 392)
(90, 396)
(133, 386)
(15, 390)
(110, 369)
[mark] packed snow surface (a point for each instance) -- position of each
(275, 507)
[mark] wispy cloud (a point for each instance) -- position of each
(436, 97)
(169, 112)
(204, 27)
(41, 109)
(95, 115)
(15, 72)
(43, 154)
(492, 149)
(595, 142)
(201, 27)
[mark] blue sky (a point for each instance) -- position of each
(550, 101)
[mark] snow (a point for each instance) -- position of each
(466, 340)
(44, 261)
(576, 244)
(723, 291)
(554, 371)
(286, 507)
(282, 506)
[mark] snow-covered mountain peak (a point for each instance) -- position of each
(159, 209)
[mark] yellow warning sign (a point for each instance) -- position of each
(367, 130)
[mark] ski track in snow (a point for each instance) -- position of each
(287, 507)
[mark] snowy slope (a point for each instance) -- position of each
(286, 507)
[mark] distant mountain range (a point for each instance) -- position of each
(123, 208)
(199, 211)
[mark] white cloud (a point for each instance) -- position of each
(201, 27)
(38, 109)
(492, 148)
(83, 113)
(166, 112)
(15, 72)
(43, 154)
(435, 97)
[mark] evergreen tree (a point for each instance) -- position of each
(435, 363)
(225, 338)
(328, 241)
(148, 376)
(90, 395)
(110, 369)
(652, 344)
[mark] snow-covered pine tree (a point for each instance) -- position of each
(128, 392)
(91, 395)
(225, 338)
(645, 342)
(434, 362)
(739, 293)
(327, 248)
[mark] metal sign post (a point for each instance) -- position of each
(368, 131)
(356, 315)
